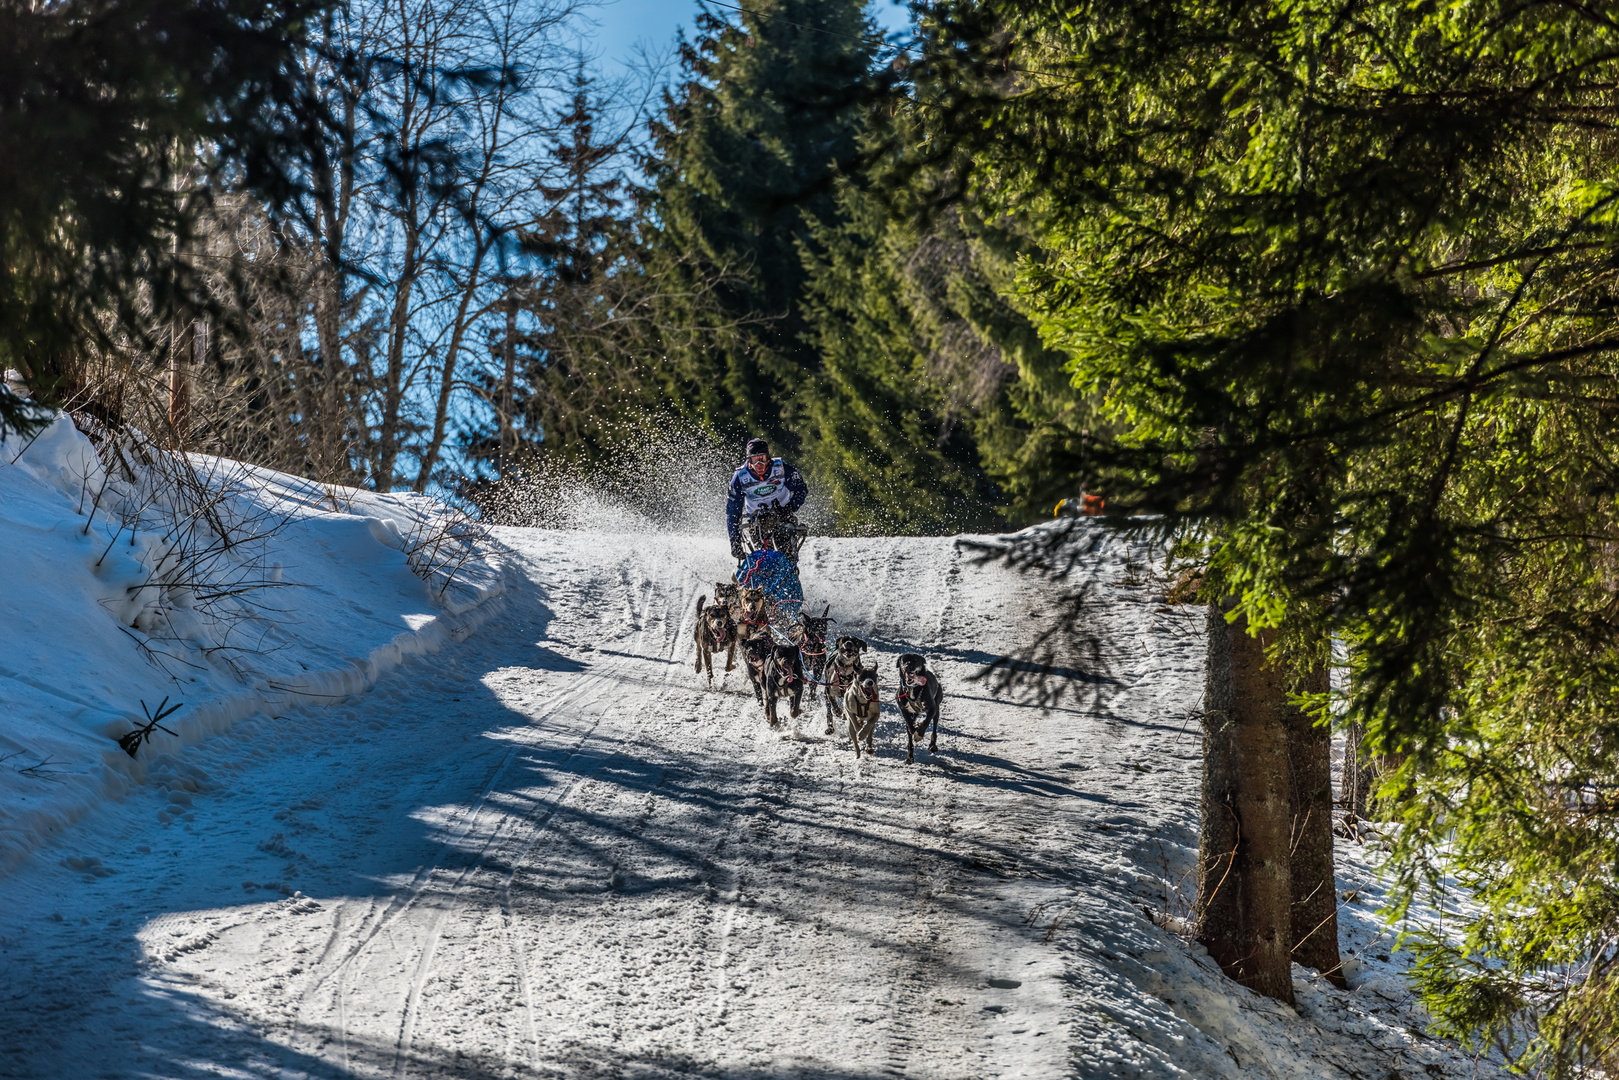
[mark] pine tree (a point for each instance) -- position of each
(103, 104)
(742, 159)
(1341, 275)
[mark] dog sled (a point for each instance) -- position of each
(777, 575)
(774, 529)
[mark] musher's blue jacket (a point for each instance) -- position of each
(782, 486)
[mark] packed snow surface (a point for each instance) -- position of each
(548, 850)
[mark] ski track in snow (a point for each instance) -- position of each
(551, 852)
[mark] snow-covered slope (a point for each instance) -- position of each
(104, 606)
(549, 851)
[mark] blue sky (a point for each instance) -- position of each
(624, 24)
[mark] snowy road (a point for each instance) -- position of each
(548, 851)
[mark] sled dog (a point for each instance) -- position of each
(716, 630)
(843, 664)
(784, 677)
(729, 594)
(861, 706)
(756, 652)
(812, 645)
(919, 698)
(753, 614)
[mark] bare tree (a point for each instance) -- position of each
(357, 308)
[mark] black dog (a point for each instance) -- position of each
(919, 698)
(757, 649)
(842, 667)
(784, 677)
(812, 645)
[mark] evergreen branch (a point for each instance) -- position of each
(132, 741)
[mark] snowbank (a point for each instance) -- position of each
(236, 591)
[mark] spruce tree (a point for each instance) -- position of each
(894, 451)
(742, 159)
(932, 382)
(1342, 277)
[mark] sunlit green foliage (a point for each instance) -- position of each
(1342, 275)
(914, 396)
(743, 156)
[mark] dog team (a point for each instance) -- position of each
(738, 619)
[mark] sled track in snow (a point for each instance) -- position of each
(551, 852)
(377, 923)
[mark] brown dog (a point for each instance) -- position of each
(753, 614)
(715, 630)
(861, 707)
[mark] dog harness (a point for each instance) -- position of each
(837, 682)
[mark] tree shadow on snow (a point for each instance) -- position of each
(363, 1058)
(631, 820)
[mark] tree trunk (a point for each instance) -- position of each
(187, 347)
(1259, 694)
(1358, 775)
(508, 432)
(464, 316)
(389, 430)
(327, 439)
(1314, 879)
(1219, 885)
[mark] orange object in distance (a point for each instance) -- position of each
(1088, 505)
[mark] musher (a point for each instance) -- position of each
(761, 483)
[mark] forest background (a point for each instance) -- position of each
(1322, 291)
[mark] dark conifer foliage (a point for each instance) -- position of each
(897, 452)
(915, 384)
(102, 106)
(742, 159)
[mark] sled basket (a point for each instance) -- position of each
(778, 577)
